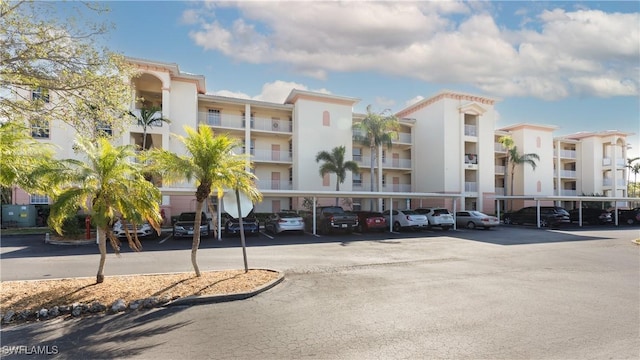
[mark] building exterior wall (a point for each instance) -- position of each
(431, 155)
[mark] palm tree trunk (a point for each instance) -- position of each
(513, 169)
(242, 240)
(337, 188)
(102, 246)
(196, 237)
(144, 139)
(373, 150)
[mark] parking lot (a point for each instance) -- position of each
(512, 292)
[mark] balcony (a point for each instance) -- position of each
(239, 122)
(274, 185)
(396, 163)
(609, 182)
(470, 130)
(357, 185)
(271, 155)
(499, 191)
(499, 169)
(498, 147)
(470, 186)
(155, 123)
(568, 154)
(567, 173)
(404, 138)
(566, 192)
(471, 159)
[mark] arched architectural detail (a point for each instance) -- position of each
(326, 118)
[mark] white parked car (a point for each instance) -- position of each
(475, 219)
(438, 217)
(406, 219)
(141, 230)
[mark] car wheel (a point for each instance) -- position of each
(471, 225)
(630, 221)
(507, 220)
(543, 223)
(397, 227)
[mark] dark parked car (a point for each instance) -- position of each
(549, 216)
(371, 221)
(592, 216)
(629, 217)
(231, 225)
(184, 225)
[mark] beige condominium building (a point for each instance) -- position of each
(446, 144)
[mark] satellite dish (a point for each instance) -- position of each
(230, 203)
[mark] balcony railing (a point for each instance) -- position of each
(270, 155)
(569, 154)
(403, 138)
(568, 173)
(499, 169)
(470, 158)
(470, 186)
(565, 192)
(499, 147)
(609, 182)
(359, 186)
(499, 191)
(396, 163)
(274, 185)
(239, 122)
(470, 130)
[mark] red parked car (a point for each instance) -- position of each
(371, 221)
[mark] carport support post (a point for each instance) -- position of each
(455, 200)
(538, 212)
(579, 213)
(390, 214)
(314, 216)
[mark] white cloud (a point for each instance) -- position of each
(556, 53)
(414, 100)
(275, 92)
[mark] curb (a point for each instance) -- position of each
(71, 242)
(211, 299)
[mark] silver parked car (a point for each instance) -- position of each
(284, 221)
(475, 219)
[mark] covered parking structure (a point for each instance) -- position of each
(330, 194)
(556, 199)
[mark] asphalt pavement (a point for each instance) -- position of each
(507, 293)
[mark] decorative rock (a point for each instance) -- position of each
(97, 307)
(77, 310)
(149, 303)
(43, 313)
(134, 305)
(64, 309)
(54, 311)
(25, 314)
(118, 306)
(8, 317)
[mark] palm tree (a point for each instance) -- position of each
(210, 161)
(334, 164)
(514, 159)
(148, 116)
(376, 130)
(630, 165)
(22, 158)
(107, 185)
(635, 169)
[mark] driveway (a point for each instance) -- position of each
(508, 293)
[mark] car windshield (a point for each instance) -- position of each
(477, 213)
(440, 211)
(288, 215)
(409, 212)
(187, 216)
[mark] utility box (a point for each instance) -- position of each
(19, 216)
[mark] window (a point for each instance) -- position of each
(213, 117)
(40, 93)
(252, 147)
(103, 128)
(357, 154)
(357, 179)
(326, 118)
(38, 199)
(40, 129)
(384, 180)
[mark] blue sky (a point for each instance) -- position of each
(572, 64)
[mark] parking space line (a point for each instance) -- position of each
(165, 239)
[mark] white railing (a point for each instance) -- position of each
(609, 182)
(499, 147)
(239, 122)
(396, 163)
(565, 192)
(499, 169)
(620, 162)
(360, 186)
(270, 155)
(470, 186)
(499, 191)
(567, 173)
(404, 138)
(606, 161)
(274, 185)
(470, 130)
(570, 154)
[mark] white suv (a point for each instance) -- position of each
(439, 217)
